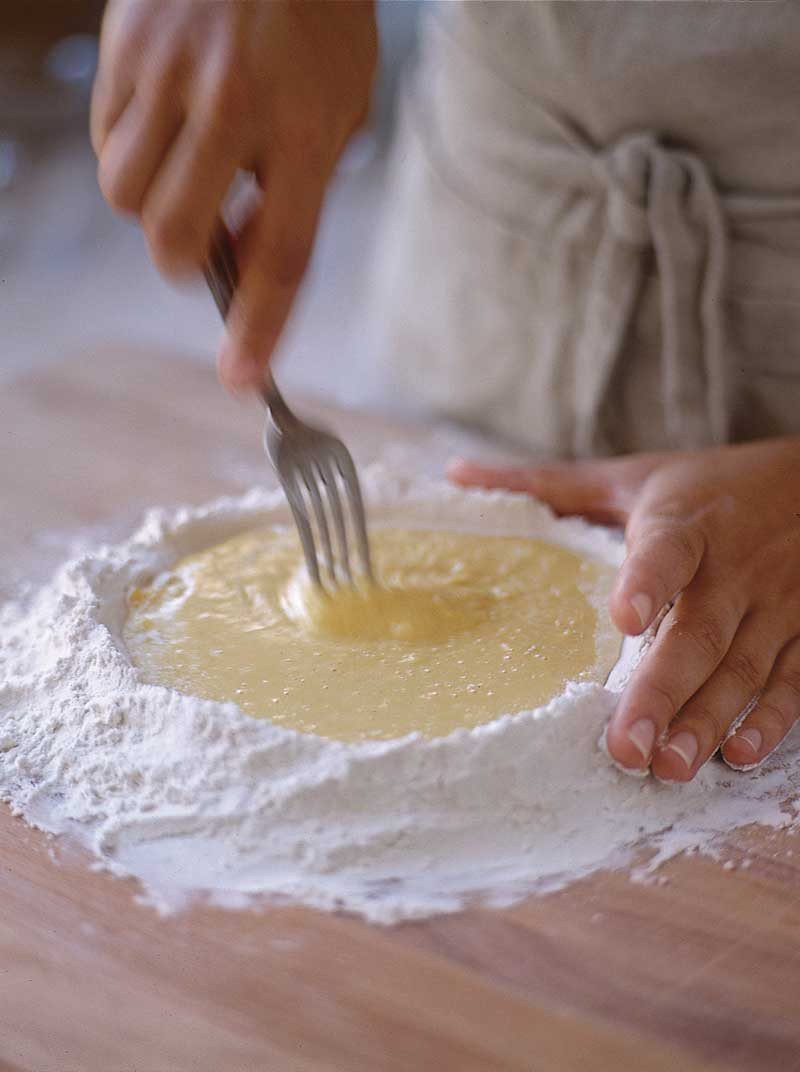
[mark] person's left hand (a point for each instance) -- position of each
(717, 532)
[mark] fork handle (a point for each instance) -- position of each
(220, 270)
(222, 277)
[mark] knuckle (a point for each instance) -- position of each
(662, 698)
(100, 114)
(744, 669)
(707, 632)
(98, 128)
(115, 187)
(707, 722)
(173, 239)
(775, 717)
(681, 540)
(790, 679)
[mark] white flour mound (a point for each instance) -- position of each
(193, 796)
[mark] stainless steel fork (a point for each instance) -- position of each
(309, 461)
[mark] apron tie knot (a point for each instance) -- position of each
(624, 170)
(658, 199)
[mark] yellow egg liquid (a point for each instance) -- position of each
(458, 629)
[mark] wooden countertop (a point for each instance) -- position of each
(700, 972)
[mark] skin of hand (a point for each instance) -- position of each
(715, 536)
(190, 91)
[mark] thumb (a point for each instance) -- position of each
(600, 491)
(664, 554)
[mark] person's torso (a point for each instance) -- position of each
(720, 77)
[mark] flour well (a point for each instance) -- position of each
(194, 797)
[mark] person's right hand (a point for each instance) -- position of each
(187, 92)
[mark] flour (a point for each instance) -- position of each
(192, 796)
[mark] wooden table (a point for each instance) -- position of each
(702, 972)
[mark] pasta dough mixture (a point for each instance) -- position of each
(459, 629)
(197, 799)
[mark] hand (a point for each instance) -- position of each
(718, 533)
(188, 92)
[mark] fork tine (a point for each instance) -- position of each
(349, 475)
(309, 479)
(283, 431)
(329, 480)
(300, 516)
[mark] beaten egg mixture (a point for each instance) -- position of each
(458, 629)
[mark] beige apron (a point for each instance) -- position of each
(592, 236)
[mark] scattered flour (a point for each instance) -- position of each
(193, 797)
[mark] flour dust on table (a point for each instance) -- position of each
(196, 798)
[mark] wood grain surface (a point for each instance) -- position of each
(700, 971)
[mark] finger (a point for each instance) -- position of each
(596, 490)
(122, 46)
(276, 250)
(134, 150)
(507, 477)
(186, 196)
(110, 97)
(777, 710)
(703, 723)
(664, 555)
(692, 641)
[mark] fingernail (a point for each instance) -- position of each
(752, 739)
(685, 744)
(643, 605)
(641, 735)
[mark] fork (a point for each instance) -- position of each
(303, 456)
